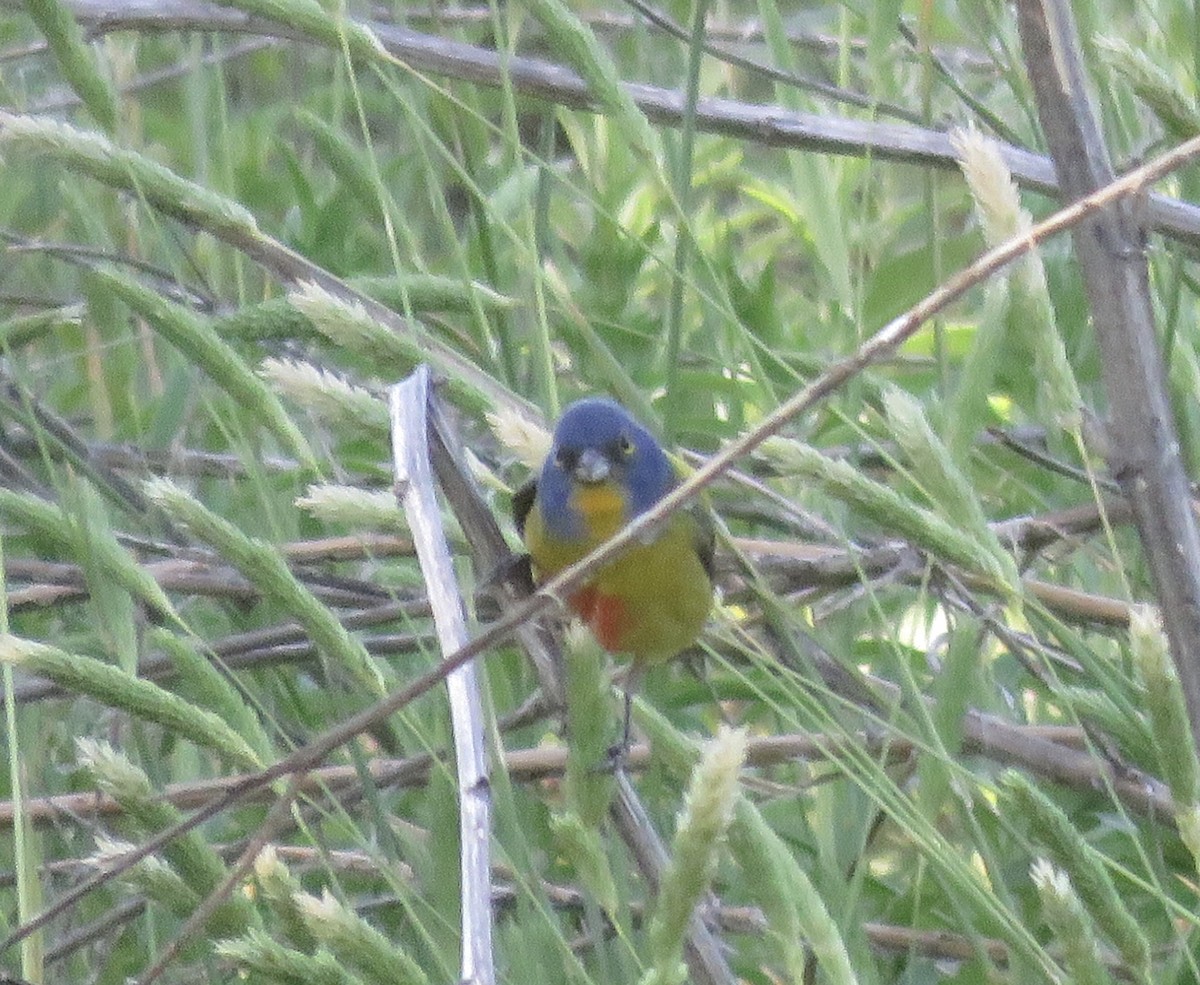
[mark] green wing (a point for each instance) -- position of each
(704, 535)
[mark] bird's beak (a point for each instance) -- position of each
(592, 467)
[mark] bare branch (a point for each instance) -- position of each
(769, 125)
(410, 406)
(1110, 243)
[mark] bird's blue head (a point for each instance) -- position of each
(603, 469)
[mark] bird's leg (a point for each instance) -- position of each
(627, 730)
(617, 754)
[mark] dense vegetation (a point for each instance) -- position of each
(953, 544)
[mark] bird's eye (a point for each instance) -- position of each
(625, 445)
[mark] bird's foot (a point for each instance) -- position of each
(616, 759)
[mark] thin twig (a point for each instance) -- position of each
(270, 828)
(176, 462)
(33, 412)
(541, 763)
(68, 100)
(835, 93)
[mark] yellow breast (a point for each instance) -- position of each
(602, 506)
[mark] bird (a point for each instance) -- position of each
(604, 468)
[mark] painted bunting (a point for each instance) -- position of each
(604, 469)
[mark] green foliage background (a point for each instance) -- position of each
(535, 250)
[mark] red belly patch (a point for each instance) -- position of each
(604, 614)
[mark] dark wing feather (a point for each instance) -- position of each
(705, 540)
(522, 503)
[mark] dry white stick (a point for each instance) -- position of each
(409, 411)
